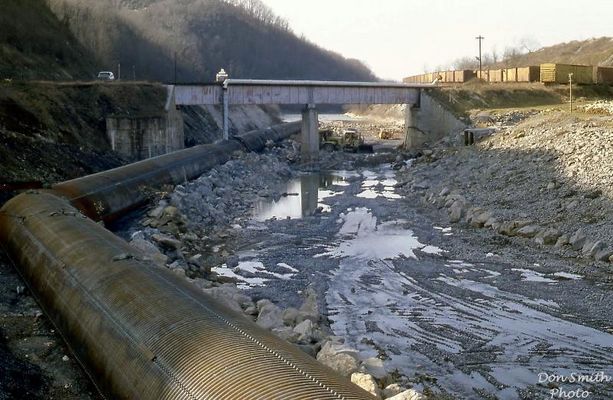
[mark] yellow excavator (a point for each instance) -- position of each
(350, 141)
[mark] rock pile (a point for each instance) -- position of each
(598, 107)
(514, 117)
(179, 232)
(182, 229)
(224, 193)
(549, 180)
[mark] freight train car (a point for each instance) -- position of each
(449, 76)
(603, 75)
(529, 74)
(510, 75)
(559, 73)
(465, 75)
(484, 75)
(495, 75)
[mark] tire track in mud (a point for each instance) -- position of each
(392, 295)
(473, 337)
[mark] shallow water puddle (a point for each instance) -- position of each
(303, 196)
(445, 231)
(379, 185)
(492, 340)
(529, 275)
(567, 275)
(364, 239)
(246, 273)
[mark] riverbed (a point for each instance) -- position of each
(449, 309)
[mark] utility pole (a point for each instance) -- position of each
(480, 39)
(570, 81)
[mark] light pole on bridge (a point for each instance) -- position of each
(480, 39)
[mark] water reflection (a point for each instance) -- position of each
(322, 117)
(303, 196)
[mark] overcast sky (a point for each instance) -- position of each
(397, 38)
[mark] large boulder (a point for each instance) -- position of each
(529, 231)
(577, 240)
(456, 211)
(270, 317)
(374, 366)
(562, 241)
(591, 249)
(166, 242)
(309, 309)
(229, 295)
(339, 357)
(479, 219)
(407, 395)
(366, 382)
(149, 251)
(304, 330)
(286, 333)
(289, 316)
(392, 390)
(548, 236)
(603, 255)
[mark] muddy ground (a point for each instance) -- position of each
(452, 310)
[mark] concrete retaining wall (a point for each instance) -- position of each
(432, 122)
(141, 137)
(145, 137)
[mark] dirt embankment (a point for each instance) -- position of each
(547, 181)
(51, 132)
(463, 100)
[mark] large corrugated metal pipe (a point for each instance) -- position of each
(140, 331)
(110, 194)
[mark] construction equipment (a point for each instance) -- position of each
(350, 141)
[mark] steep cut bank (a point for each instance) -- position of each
(52, 132)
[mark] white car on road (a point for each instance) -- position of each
(106, 76)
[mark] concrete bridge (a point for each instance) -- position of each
(307, 93)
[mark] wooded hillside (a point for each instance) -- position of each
(35, 45)
(243, 36)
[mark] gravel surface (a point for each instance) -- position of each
(445, 276)
(598, 107)
(34, 361)
(402, 291)
(551, 173)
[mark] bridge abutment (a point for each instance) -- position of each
(428, 121)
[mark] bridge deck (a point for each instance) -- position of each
(243, 92)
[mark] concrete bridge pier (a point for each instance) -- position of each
(413, 136)
(310, 134)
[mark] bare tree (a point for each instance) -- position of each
(529, 43)
(494, 55)
(465, 63)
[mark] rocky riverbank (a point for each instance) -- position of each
(203, 223)
(392, 309)
(547, 181)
